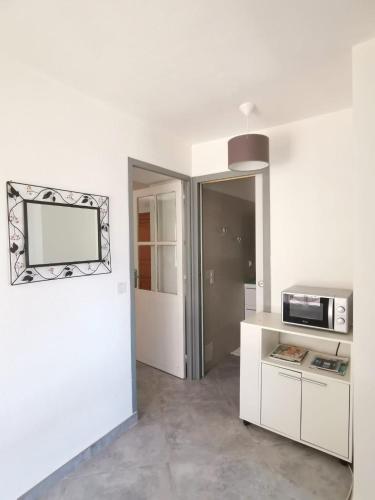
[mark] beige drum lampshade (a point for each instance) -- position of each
(248, 152)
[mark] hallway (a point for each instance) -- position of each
(190, 445)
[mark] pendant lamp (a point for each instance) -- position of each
(249, 151)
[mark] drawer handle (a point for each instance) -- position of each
(322, 384)
(289, 376)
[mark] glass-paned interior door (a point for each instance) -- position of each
(158, 223)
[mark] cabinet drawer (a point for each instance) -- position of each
(281, 400)
(325, 414)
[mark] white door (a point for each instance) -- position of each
(325, 414)
(281, 400)
(159, 295)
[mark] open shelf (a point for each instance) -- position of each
(306, 369)
(272, 321)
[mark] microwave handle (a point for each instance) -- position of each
(330, 313)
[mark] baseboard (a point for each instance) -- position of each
(41, 488)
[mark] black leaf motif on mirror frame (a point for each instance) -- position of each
(13, 248)
(47, 195)
(68, 274)
(27, 278)
(13, 193)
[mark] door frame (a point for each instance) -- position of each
(192, 259)
(196, 257)
(186, 187)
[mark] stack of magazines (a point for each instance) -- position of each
(331, 364)
(291, 353)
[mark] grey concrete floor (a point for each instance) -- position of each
(189, 444)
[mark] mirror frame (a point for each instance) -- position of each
(18, 195)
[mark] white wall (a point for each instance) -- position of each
(311, 188)
(65, 346)
(364, 269)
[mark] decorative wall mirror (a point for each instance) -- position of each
(54, 233)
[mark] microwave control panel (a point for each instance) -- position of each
(342, 314)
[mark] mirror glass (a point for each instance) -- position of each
(61, 234)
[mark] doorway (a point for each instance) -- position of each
(159, 223)
(192, 276)
(159, 271)
(228, 264)
(215, 315)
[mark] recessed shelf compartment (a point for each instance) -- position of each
(306, 369)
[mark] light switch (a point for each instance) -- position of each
(121, 288)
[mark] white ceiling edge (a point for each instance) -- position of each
(176, 67)
(271, 129)
(106, 104)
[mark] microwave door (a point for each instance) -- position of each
(308, 310)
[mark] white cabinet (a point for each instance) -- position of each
(250, 375)
(325, 414)
(281, 400)
(311, 406)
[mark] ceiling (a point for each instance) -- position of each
(243, 188)
(186, 66)
(145, 178)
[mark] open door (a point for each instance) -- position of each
(159, 295)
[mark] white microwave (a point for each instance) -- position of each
(324, 308)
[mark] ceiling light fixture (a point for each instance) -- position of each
(249, 151)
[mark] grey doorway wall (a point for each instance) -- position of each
(228, 262)
(196, 258)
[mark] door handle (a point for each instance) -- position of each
(261, 283)
(322, 384)
(135, 278)
(289, 376)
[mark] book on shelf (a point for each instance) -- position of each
(293, 354)
(331, 364)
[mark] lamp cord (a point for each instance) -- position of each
(338, 347)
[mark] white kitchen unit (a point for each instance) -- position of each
(308, 405)
(250, 299)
